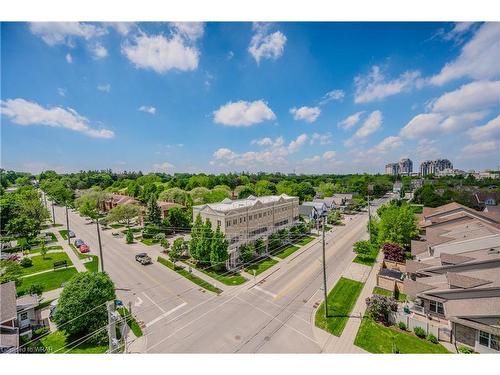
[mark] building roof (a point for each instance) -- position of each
(8, 302)
(454, 258)
(26, 302)
(168, 205)
(319, 206)
(418, 247)
(466, 282)
(229, 205)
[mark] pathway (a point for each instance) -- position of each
(77, 262)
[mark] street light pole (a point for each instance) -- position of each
(324, 271)
(100, 245)
(370, 189)
(67, 225)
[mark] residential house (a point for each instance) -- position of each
(313, 210)
(116, 200)
(27, 316)
(487, 198)
(166, 206)
(9, 331)
(246, 220)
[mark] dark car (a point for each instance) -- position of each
(143, 258)
(78, 243)
(71, 234)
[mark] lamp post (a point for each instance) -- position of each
(324, 270)
(370, 189)
(67, 224)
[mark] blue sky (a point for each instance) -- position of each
(217, 97)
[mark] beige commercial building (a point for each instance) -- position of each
(246, 220)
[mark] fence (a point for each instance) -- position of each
(441, 332)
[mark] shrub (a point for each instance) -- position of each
(26, 262)
(465, 350)
(150, 231)
(420, 332)
(432, 338)
(35, 289)
(379, 307)
(394, 252)
(129, 237)
(159, 236)
(402, 326)
(40, 332)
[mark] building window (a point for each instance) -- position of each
(437, 307)
(260, 215)
(24, 316)
(235, 221)
(218, 223)
(244, 219)
(228, 223)
(265, 213)
(489, 340)
(241, 220)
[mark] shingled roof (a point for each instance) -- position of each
(464, 282)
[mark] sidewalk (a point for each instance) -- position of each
(39, 273)
(204, 276)
(52, 294)
(77, 262)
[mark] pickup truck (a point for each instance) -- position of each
(143, 258)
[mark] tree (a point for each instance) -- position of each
(90, 203)
(397, 225)
(23, 226)
(129, 236)
(196, 231)
(378, 307)
(179, 218)
(393, 252)
(153, 213)
(362, 248)
(247, 252)
(84, 297)
(218, 250)
(246, 191)
(204, 245)
(35, 289)
(43, 250)
(10, 270)
(26, 262)
(260, 246)
(123, 212)
(274, 242)
(178, 248)
(334, 217)
(165, 244)
(175, 194)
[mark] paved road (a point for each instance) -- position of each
(273, 315)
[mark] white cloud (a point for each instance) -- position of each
(457, 32)
(350, 121)
(23, 112)
(470, 97)
(372, 123)
(331, 96)
(373, 86)
(190, 30)
(147, 109)
(264, 45)
(297, 143)
(61, 91)
(164, 167)
(230, 55)
(122, 28)
(307, 114)
(266, 141)
(243, 113)
(99, 51)
(488, 131)
(312, 160)
(54, 33)
(478, 58)
(322, 139)
(329, 155)
(69, 58)
(478, 149)
(224, 153)
(421, 125)
(388, 144)
(104, 87)
(161, 54)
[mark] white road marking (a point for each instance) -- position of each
(165, 314)
(154, 303)
(265, 291)
(138, 302)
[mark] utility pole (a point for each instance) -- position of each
(113, 317)
(67, 225)
(324, 271)
(370, 189)
(100, 245)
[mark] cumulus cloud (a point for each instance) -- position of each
(329, 155)
(322, 139)
(457, 32)
(23, 112)
(161, 54)
(266, 141)
(104, 87)
(374, 86)
(190, 30)
(69, 58)
(147, 109)
(480, 149)
(164, 167)
(122, 28)
(491, 130)
(332, 96)
(99, 51)
(265, 45)
(243, 113)
(372, 123)
(350, 121)
(388, 144)
(54, 33)
(307, 114)
(297, 143)
(61, 91)
(421, 125)
(478, 58)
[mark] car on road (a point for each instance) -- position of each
(143, 258)
(84, 248)
(79, 243)
(71, 234)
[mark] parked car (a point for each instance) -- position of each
(143, 258)
(84, 248)
(71, 234)
(79, 243)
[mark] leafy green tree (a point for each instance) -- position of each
(362, 248)
(176, 195)
(123, 213)
(260, 246)
(265, 187)
(82, 305)
(10, 270)
(165, 244)
(153, 213)
(334, 217)
(35, 289)
(247, 253)
(204, 245)
(129, 236)
(245, 192)
(218, 250)
(90, 203)
(198, 194)
(196, 232)
(179, 247)
(397, 225)
(274, 242)
(23, 226)
(179, 218)
(43, 250)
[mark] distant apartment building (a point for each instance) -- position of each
(454, 279)
(246, 220)
(404, 167)
(435, 167)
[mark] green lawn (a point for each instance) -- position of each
(341, 301)
(49, 280)
(383, 292)
(41, 264)
(64, 233)
(305, 241)
(149, 241)
(195, 279)
(287, 251)
(37, 249)
(376, 338)
(225, 277)
(261, 266)
(58, 341)
(116, 225)
(93, 265)
(131, 322)
(367, 260)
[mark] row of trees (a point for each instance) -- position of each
(207, 246)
